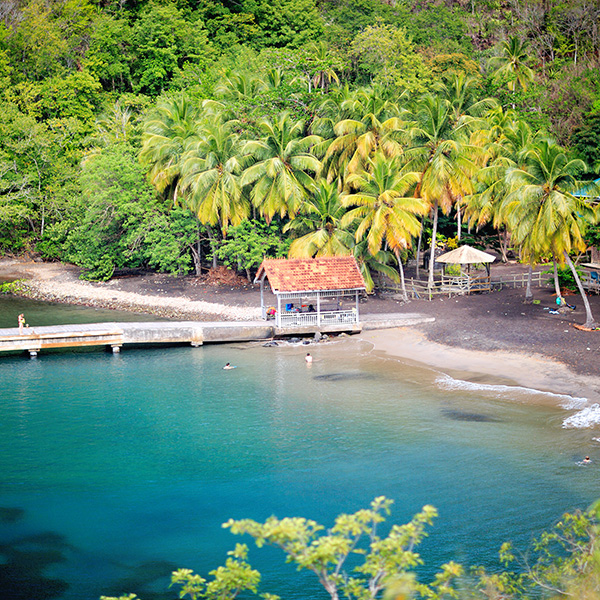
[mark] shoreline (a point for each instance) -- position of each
(493, 368)
(487, 365)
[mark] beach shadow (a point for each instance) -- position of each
(24, 560)
(460, 415)
(343, 376)
(141, 577)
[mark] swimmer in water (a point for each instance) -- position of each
(586, 461)
(228, 366)
(308, 358)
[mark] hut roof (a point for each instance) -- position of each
(466, 255)
(312, 274)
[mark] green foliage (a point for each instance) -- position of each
(123, 223)
(324, 552)
(586, 140)
(247, 244)
(164, 41)
(228, 581)
(12, 287)
(282, 23)
(566, 280)
(33, 171)
(563, 562)
(385, 54)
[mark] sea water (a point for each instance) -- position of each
(117, 469)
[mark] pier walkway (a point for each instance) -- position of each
(116, 335)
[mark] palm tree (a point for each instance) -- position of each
(506, 146)
(441, 155)
(281, 175)
(511, 64)
(371, 127)
(165, 138)
(383, 212)
(320, 221)
(211, 170)
(543, 213)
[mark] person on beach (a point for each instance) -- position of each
(308, 358)
(228, 366)
(21, 320)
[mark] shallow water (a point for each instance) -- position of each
(118, 469)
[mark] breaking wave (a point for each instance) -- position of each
(446, 382)
(586, 417)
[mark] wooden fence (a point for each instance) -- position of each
(446, 285)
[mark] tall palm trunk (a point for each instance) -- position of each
(401, 270)
(432, 250)
(528, 292)
(419, 249)
(590, 322)
(556, 283)
(458, 219)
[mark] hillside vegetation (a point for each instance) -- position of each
(173, 135)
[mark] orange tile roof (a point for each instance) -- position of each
(310, 274)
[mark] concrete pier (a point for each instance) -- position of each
(116, 335)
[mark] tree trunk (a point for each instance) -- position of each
(504, 237)
(213, 246)
(590, 322)
(556, 284)
(432, 250)
(402, 282)
(419, 249)
(528, 292)
(458, 220)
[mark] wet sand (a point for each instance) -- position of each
(489, 368)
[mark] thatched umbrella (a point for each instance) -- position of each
(466, 255)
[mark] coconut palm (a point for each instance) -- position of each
(507, 146)
(542, 211)
(283, 167)
(211, 170)
(238, 85)
(371, 127)
(319, 220)
(165, 139)
(442, 156)
(512, 63)
(383, 213)
(461, 91)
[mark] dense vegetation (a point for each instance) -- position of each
(354, 560)
(167, 134)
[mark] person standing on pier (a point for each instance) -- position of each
(21, 320)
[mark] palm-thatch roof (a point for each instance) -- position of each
(465, 255)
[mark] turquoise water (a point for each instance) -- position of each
(118, 469)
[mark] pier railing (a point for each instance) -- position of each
(316, 319)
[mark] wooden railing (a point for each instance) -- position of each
(458, 285)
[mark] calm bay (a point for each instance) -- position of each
(118, 469)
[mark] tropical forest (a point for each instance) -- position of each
(179, 135)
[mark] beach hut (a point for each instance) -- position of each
(465, 282)
(312, 291)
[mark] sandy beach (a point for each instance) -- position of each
(495, 368)
(486, 338)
